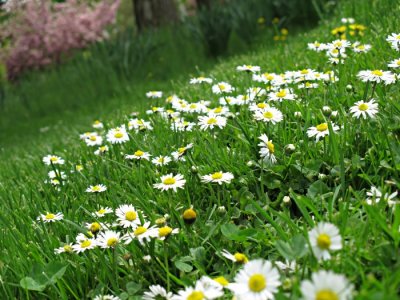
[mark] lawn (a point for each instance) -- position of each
(220, 180)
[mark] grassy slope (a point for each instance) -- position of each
(22, 193)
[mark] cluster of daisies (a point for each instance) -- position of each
(262, 105)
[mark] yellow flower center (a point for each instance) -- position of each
(268, 115)
(193, 106)
(140, 230)
(169, 181)
(130, 215)
(103, 148)
(96, 188)
(196, 295)
(101, 211)
(118, 135)
(164, 231)
(161, 160)
(67, 248)
(271, 147)
(97, 122)
(269, 77)
(363, 106)
(281, 94)
(50, 216)
(218, 110)
(323, 241)
(93, 138)
(211, 121)
(257, 283)
(261, 105)
(221, 280)
(86, 243)
(335, 51)
(361, 47)
(95, 227)
(338, 44)
(139, 153)
(308, 84)
(240, 258)
(154, 108)
(398, 62)
(304, 71)
(112, 242)
(316, 44)
(182, 150)
(53, 158)
(217, 175)
(398, 37)
(322, 127)
(377, 72)
(326, 295)
(221, 86)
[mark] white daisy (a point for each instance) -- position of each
(127, 216)
(219, 111)
(200, 79)
(139, 125)
(287, 266)
(102, 212)
(50, 217)
(84, 244)
(57, 174)
(282, 94)
(321, 130)
(326, 285)
(394, 64)
(265, 78)
(106, 297)
(154, 94)
(179, 154)
(218, 177)
(108, 239)
(170, 181)
(269, 114)
(325, 237)
(139, 155)
(267, 149)
(308, 85)
(97, 125)
(259, 106)
(143, 233)
(67, 248)
(248, 68)
(161, 160)
(182, 125)
(222, 87)
(165, 232)
(94, 140)
(204, 289)
(98, 188)
(347, 20)
(364, 109)
(317, 46)
(157, 292)
(117, 135)
(377, 76)
(258, 280)
(53, 160)
(361, 48)
(236, 257)
(394, 40)
(211, 121)
(375, 195)
(101, 150)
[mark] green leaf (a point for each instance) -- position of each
(29, 283)
(317, 188)
(54, 271)
(182, 266)
(133, 287)
(229, 230)
(294, 249)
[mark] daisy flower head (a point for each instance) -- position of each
(157, 292)
(321, 130)
(339, 45)
(106, 297)
(127, 216)
(94, 140)
(282, 94)
(222, 87)
(219, 111)
(50, 217)
(182, 125)
(308, 85)
(101, 150)
(102, 212)
(170, 181)
(237, 257)
(201, 79)
(317, 46)
(139, 125)
(361, 48)
(161, 160)
(211, 121)
(394, 64)
(287, 266)
(117, 135)
(267, 149)
(57, 174)
(154, 94)
(84, 244)
(165, 232)
(139, 155)
(364, 109)
(258, 106)
(218, 177)
(67, 248)
(394, 40)
(377, 76)
(325, 237)
(142, 233)
(181, 152)
(53, 160)
(257, 280)
(98, 188)
(269, 114)
(108, 239)
(248, 68)
(326, 285)
(155, 110)
(204, 289)
(97, 124)
(375, 195)
(347, 20)
(95, 227)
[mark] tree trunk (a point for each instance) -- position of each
(154, 13)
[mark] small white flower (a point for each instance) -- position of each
(93, 140)
(394, 64)
(106, 297)
(50, 217)
(375, 195)
(248, 68)
(170, 181)
(108, 239)
(67, 248)
(127, 216)
(98, 188)
(394, 40)
(154, 94)
(377, 76)
(282, 94)
(218, 177)
(179, 155)
(97, 125)
(364, 109)
(204, 289)
(236, 257)
(325, 237)
(165, 232)
(267, 149)
(53, 160)
(269, 114)
(361, 48)
(117, 135)
(139, 125)
(287, 266)
(326, 285)
(200, 79)
(211, 121)
(157, 292)
(143, 233)
(84, 244)
(102, 212)
(161, 160)
(321, 130)
(222, 87)
(317, 46)
(101, 150)
(139, 155)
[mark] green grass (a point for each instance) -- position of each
(326, 181)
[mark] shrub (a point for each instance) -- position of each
(41, 33)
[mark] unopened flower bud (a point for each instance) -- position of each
(290, 148)
(189, 216)
(326, 110)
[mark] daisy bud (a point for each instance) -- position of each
(334, 115)
(349, 88)
(166, 216)
(290, 148)
(287, 284)
(286, 200)
(161, 221)
(194, 169)
(321, 176)
(250, 163)
(221, 209)
(189, 216)
(326, 110)
(297, 114)
(147, 258)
